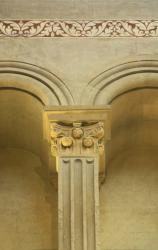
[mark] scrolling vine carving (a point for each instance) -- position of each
(79, 28)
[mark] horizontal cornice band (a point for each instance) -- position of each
(79, 28)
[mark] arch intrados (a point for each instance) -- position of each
(132, 90)
(41, 85)
(24, 91)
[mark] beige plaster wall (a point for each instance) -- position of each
(77, 61)
(128, 197)
(81, 9)
(21, 121)
(28, 207)
(134, 121)
(22, 124)
(129, 200)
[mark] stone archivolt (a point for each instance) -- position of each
(34, 80)
(120, 79)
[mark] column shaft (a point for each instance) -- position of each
(78, 144)
(78, 203)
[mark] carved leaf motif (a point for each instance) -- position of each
(152, 28)
(97, 28)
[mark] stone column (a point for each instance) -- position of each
(79, 151)
(78, 203)
(77, 148)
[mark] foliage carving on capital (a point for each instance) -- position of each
(77, 138)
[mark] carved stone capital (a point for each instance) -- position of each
(77, 138)
(77, 131)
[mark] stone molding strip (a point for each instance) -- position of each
(136, 74)
(39, 82)
(79, 28)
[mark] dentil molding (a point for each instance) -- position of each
(79, 28)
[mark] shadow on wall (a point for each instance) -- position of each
(134, 121)
(28, 200)
(128, 198)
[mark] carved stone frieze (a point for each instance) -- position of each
(79, 28)
(77, 138)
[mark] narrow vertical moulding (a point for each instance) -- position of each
(84, 192)
(64, 219)
(72, 204)
(90, 204)
(96, 201)
(78, 204)
(60, 207)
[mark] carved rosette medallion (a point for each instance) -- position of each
(88, 142)
(66, 141)
(77, 138)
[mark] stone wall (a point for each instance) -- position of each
(28, 207)
(76, 61)
(129, 197)
(78, 9)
